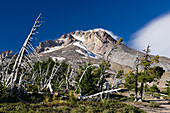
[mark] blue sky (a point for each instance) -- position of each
(123, 17)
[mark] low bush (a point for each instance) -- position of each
(106, 106)
(153, 104)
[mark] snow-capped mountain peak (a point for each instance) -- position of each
(80, 46)
(107, 31)
(98, 41)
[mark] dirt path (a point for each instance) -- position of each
(164, 105)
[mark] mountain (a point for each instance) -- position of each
(80, 47)
(6, 54)
(125, 55)
(98, 41)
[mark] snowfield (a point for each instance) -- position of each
(79, 38)
(53, 49)
(108, 32)
(80, 44)
(88, 53)
(58, 58)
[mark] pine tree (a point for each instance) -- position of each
(88, 83)
(149, 74)
(129, 81)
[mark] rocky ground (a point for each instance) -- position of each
(164, 104)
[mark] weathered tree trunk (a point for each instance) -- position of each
(136, 77)
(146, 58)
(102, 78)
(67, 80)
(19, 84)
(141, 92)
(136, 85)
(47, 83)
(2, 70)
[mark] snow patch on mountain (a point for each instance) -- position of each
(79, 51)
(80, 44)
(53, 49)
(108, 32)
(63, 40)
(96, 30)
(88, 53)
(58, 58)
(79, 38)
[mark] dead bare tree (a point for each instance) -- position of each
(23, 58)
(136, 75)
(47, 83)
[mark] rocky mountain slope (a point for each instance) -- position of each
(6, 55)
(92, 45)
(97, 41)
(125, 55)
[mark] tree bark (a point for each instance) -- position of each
(141, 92)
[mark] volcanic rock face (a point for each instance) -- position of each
(97, 41)
(125, 55)
(68, 40)
(7, 54)
(44, 46)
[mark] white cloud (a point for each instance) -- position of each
(157, 34)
